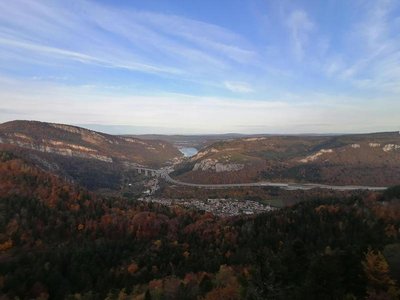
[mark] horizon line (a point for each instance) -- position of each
(89, 125)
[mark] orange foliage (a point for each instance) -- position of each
(204, 225)
(6, 245)
(332, 209)
(106, 220)
(133, 268)
(148, 224)
(171, 286)
(74, 207)
(18, 178)
(226, 293)
(155, 284)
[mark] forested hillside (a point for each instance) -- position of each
(92, 159)
(334, 160)
(60, 241)
(73, 141)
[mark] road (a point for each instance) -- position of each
(286, 186)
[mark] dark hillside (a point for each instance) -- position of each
(57, 240)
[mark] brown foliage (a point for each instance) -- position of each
(229, 293)
(6, 245)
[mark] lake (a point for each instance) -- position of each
(188, 151)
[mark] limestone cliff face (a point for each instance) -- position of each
(74, 141)
(315, 156)
(214, 165)
(391, 147)
(359, 159)
(56, 147)
(375, 152)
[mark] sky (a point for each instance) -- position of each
(193, 67)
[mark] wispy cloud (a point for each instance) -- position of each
(84, 58)
(206, 36)
(240, 87)
(300, 26)
(377, 61)
(133, 40)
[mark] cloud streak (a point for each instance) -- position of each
(165, 45)
(240, 87)
(83, 58)
(300, 27)
(373, 49)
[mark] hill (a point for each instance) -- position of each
(91, 158)
(59, 241)
(75, 141)
(362, 159)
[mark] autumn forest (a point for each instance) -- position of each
(61, 241)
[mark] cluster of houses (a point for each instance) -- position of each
(219, 207)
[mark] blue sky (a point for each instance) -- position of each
(203, 66)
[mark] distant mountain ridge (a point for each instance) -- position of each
(359, 159)
(75, 141)
(200, 140)
(92, 159)
(98, 160)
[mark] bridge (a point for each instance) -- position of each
(148, 172)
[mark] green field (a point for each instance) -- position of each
(274, 202)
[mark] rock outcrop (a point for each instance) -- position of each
(214, 165)
(315, 156)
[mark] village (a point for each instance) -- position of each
(218, 207)
(224, 207)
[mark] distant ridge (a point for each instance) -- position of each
(352, 159)
(91, 158)
(75, 141)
